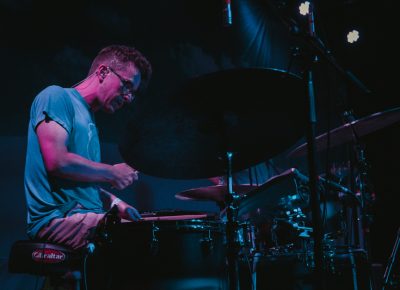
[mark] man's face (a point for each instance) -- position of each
(119, 88)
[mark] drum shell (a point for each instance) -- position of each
(292, 272)
(181, 254)
(269, 236)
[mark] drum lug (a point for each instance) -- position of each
(206, 244)
(154, 245)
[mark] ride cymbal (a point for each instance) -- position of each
(351, 131)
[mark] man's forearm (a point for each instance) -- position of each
(75, 167)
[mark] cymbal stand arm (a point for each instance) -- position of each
(231, 229)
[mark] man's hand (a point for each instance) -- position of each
(125, 211)
(124, 175)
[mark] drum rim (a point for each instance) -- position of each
(193, 225)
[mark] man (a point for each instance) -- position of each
(63, 171)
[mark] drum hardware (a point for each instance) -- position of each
(304, 231)
(330, 202)
(289, 207)
(246, 238)
(348, 133)
(329, 254)
(295, 214)
(282, 193)
(207, 243)
(102, 233)
(291, 202)
(276, 212)
(154, 244)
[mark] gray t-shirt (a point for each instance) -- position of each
(50, 197)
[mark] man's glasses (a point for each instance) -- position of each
(127, 85)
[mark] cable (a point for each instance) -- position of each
(90, 248)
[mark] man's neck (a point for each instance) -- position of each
(88, 90)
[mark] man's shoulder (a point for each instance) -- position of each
(52, 90)
(52, 99)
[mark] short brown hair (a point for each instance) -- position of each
(118, 56)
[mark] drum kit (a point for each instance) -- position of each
(260, 231)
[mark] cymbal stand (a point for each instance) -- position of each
(363, 218)
(233, 245)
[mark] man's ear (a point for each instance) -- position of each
(102, 71)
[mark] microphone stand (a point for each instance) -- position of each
(318, 50)
(319, 281)
(363, 219)
(231, 228)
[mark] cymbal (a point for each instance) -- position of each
(215, 193)
(255, 113)
(345, 133)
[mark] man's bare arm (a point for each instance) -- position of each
(53, 140)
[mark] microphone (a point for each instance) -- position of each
(330, 183)
(336, 186)
(227, 13)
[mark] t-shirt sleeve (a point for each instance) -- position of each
(55, 104)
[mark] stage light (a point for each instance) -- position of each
(353, 36)
(304, 8)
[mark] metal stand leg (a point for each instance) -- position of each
(232, 230)
(353, 269)
(256, 259)
(394, 257)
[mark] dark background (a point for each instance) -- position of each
(53, 42)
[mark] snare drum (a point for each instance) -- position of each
(178, 250)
